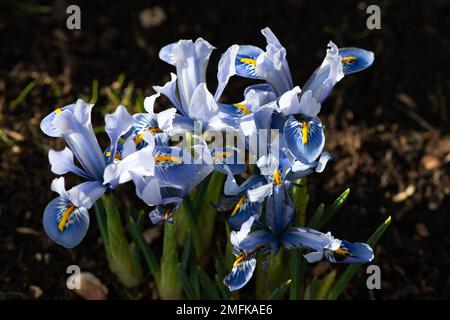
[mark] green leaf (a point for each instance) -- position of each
(170, 287)
(317, 216)
(187, 288)
(206, 213)
(119, 252)
(222, 288)
(149, 257)
(94, 91)
(101, 223)
(301, 199)
(208, 285)
(351, 270)
(311, 290)
(331, 210)
(22, 95)
(325, 285)
(279, 291)
(294, 265)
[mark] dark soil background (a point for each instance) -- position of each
(387, 127)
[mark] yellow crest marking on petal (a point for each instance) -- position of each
(239, 204)
(58, 110)
(108, 154)
(343, 252)
(276, 177)
(239, 260)
(242, 107)
(166, 214)
(248, 61)
(348, 59)
(305, 129)
(154, 130)
(167, 158)
(220, 155)
(66, 215)
(139, 138)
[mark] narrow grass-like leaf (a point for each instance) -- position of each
(294, 266)
(22, 95)
(94, 91)
(148, 254)
(170, 287)
(325, 285)
(317, 217)
(119, 253)
(351, 270)
(311, 290)
(331, 210)
(101, 222)
(280, 290)
(222, 288)
(182, 276)
(208, 285)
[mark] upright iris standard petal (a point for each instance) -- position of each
(278, 211)
(47, 125)
(246, 61)
(169, 90)
(226, 69)
(116, 125)
(350, 253)
(304, 137)
(355, 59)
(241, 273)
(190, 60)
(326, 76)
(65, 223)
(202, 107)
(76, 128)
(272, 65)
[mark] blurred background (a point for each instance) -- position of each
(387, 127)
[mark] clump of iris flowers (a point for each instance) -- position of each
(166, 171)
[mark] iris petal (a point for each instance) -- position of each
(304, 138)
(351, 253)
(257, 239)
(246, 61)
(47, 123)
(241, 274)
(228, 159)
(174, 167)
(305, 237)
(243, 210)
(226, 69)
(64, 223)
(355, 59)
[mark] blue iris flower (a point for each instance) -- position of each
(66, 218)
(237, 202)
(150, 122)
(176, 174)
(276, 233)
(196, 103)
